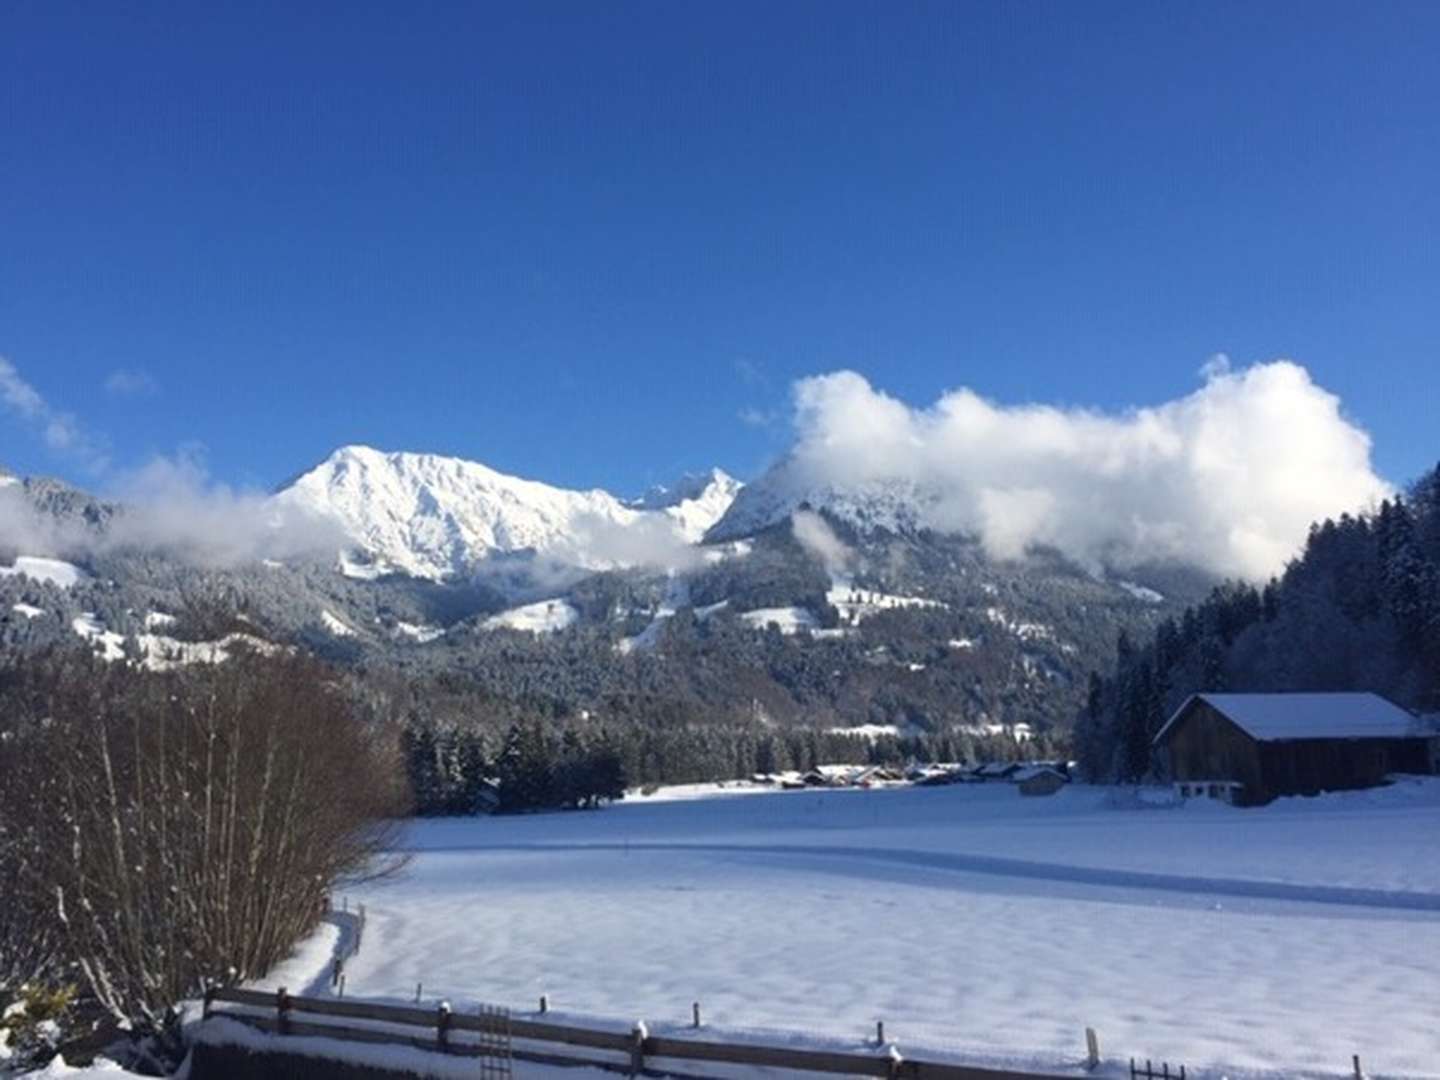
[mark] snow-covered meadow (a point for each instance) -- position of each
(976, 923)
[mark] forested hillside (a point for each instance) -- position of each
(1359, 609)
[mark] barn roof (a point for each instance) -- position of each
(1278, 717)
(1030, 772)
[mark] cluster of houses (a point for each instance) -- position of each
(1030, 778)
(834, 776)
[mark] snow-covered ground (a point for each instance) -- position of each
(55, 571)
(789, 620)
(976, 923)
(336, 625)
(855, 604)
(542, 617)
(107, 643)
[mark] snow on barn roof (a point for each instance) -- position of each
(1278, 717)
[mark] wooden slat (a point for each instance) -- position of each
(354, 1010)
(939, 1070)
(238, 996)
(557, 1033)
(364, 1010)
(768, 1056)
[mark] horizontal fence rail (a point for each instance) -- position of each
(638, 1046)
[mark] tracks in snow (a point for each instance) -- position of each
(1394, 900)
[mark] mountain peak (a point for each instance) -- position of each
(438, 517)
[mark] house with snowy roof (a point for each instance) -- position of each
(1251, 748)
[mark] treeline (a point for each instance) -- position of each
(161, 829)
(1358, 610)
(473, 765)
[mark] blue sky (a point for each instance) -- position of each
(596, 243)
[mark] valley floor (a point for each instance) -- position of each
(977, 924)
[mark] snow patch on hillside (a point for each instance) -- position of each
(790, 620)
(423, 634)
(542, 617)
(28, 610)
(1025, 631)
(855, 604)
(867, 731)
(107, 643)
(336, 625)
(161, 653)
(1140, 592)
(52, 571)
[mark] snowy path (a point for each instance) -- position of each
(977, 924)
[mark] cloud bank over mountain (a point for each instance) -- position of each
(1228, 477)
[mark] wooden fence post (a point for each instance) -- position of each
(695, 1011)
(892, 1065)
(544, 1004)
(209, 998)
(637, 1048)
(1092, 1049)
(418, 988)
(1355, 1061)
(442, 1026)
(879, 1032)
(342, 985)
(282, 1011)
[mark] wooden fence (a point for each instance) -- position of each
(443, 1031)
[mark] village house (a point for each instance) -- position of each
(1040, 780)
(1251, 748)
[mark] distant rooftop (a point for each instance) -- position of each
(1281, 717)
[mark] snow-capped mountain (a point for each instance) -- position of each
(695, 502)
(441, 517)
(894, 506)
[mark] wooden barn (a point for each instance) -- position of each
(1040, 780)
(1251, 748)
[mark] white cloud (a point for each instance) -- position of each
(18, 395)
(59, 430)
(129, 382)
(813, 533)
(655, 541)
(172, 504)
(1229, 477)
(757, 418)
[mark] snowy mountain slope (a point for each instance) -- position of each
(439, 517)
(896, 507)
(695, 503)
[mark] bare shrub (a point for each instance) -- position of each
(187, 826)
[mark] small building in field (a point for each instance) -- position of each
(1251, 748)
(1040, 780)
(998, 770)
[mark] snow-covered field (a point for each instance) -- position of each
(977, 924)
